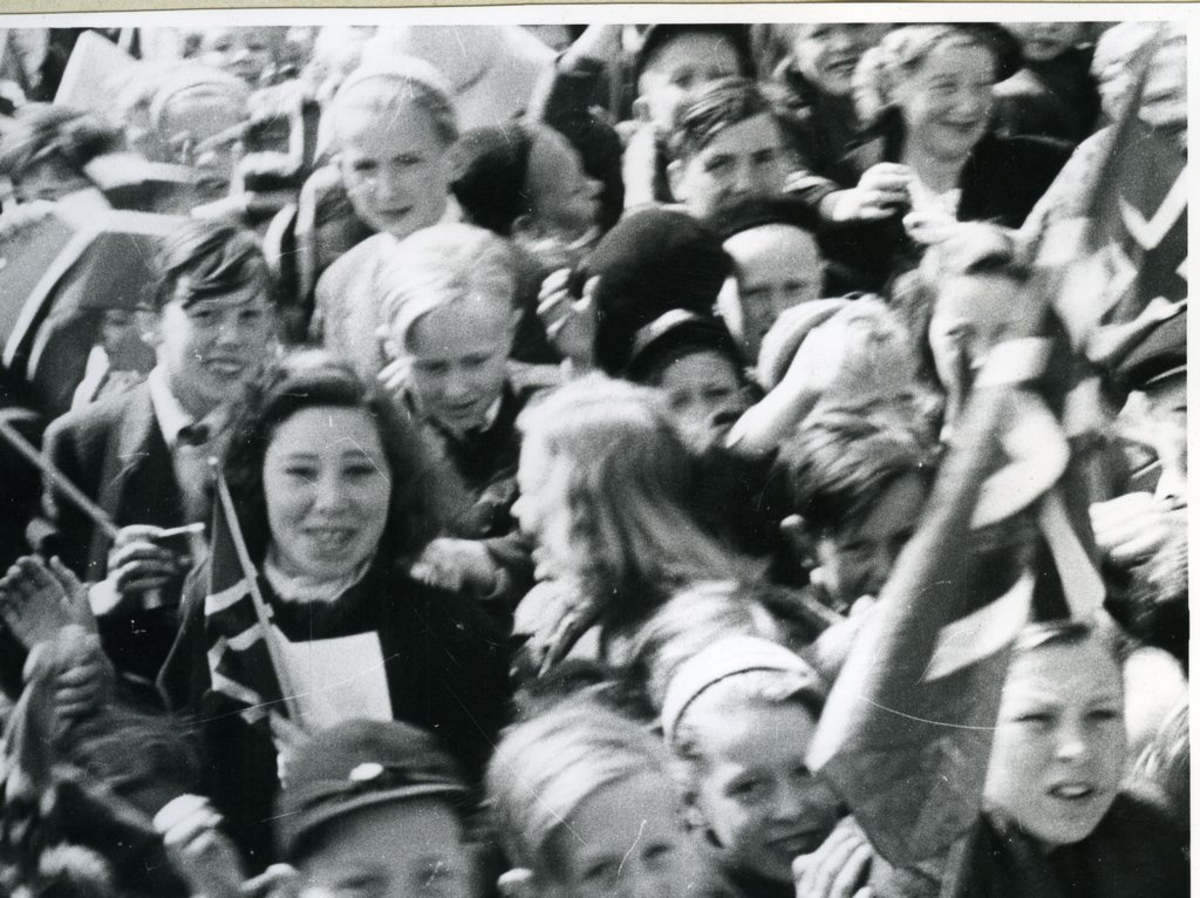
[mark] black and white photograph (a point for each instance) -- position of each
(595, 452)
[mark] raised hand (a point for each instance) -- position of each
(570, 323)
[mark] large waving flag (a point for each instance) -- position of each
(237, 622)
(1112, 247)
(907, 731)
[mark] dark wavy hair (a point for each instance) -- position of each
(426, 496)
(209, 258)
(718, 107)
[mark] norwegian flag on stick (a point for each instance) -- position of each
(1113, 253)
(907, 730)
(237, 623)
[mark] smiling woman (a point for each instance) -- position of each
(335, 497)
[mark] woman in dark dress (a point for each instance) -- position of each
(335, 499)
(926, 94)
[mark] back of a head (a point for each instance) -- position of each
(653, 261)
(546, 768)
(439, 265)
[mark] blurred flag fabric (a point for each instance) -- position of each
(1115, 261)
(236, 634)
(907, 731)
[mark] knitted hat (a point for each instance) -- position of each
(489, 169)
(653, 261)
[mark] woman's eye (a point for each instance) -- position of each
(300, 472)
(359, 470)
(1104, 715)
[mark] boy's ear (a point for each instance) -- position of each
(800, 539)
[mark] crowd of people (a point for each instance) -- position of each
(480, 461)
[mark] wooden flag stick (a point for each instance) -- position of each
(58, 480)
(260, 606)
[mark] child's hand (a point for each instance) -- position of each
(34, 602)
(203, 855)
(836, 868)
(570, 323)
(455, 565)
(1132, 528)
(136, 565)
(882, 189)
(83, 674)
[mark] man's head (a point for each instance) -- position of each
(447, 297)
(376, 807)
(392, 127)
(857, 485)
(675, 62)
(728, 146)
(213, 319)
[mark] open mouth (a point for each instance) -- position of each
(330, 539)
(1072, 792)
(226, 367)
(797, 843)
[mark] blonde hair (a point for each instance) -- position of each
(544, 770)
(440, 265)
(899, 56)
(627, 485)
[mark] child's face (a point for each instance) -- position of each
(856, 560)
(1059, 749)
(564, 199)
(777, 267)
(743, 161)
(458, 353)
(971, 315)
(393, 166)
(1043, 41)
(681, 68)
(407, 849)
(211, 348)
(1167, 402)
(704, 391)
(245, 52)
(628, 840)
(190, 120)
(827, 54)
(756, 794)
(947, 102)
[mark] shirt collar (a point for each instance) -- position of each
(172, 417)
